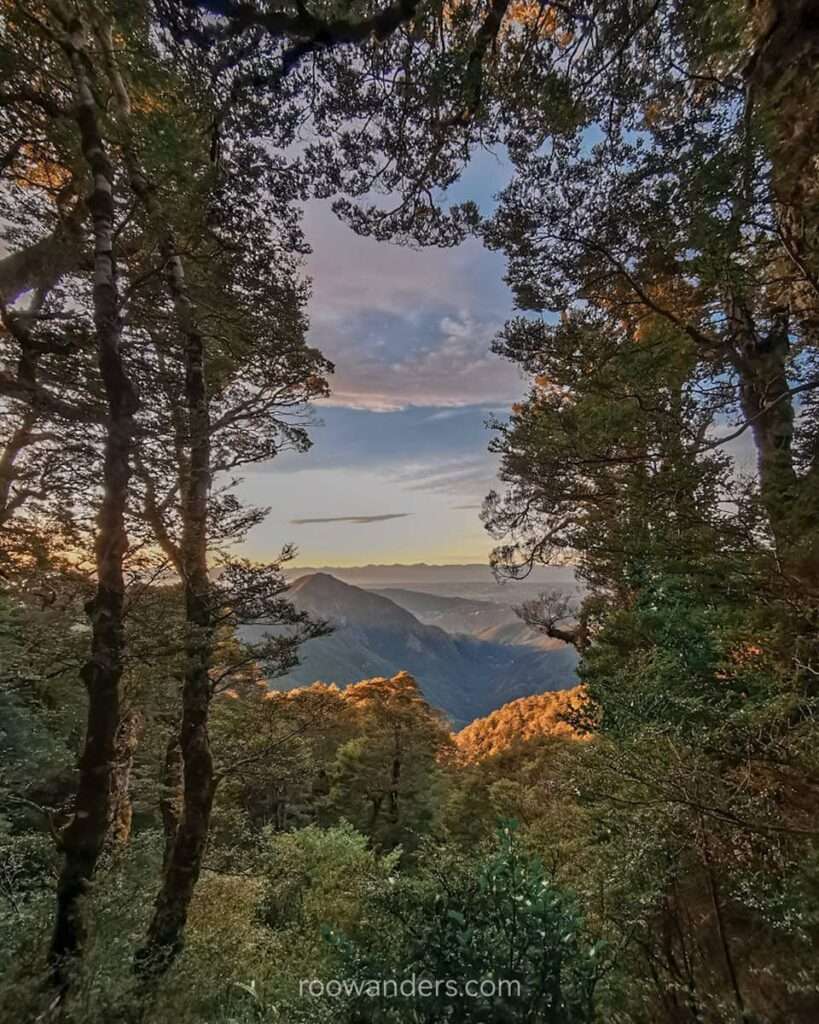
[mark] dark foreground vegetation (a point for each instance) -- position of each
(176, 843)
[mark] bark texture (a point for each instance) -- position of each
(129, 734)
(83, 838)
(166, 932)
(186, 835)
(184, 860)
(783, 81)
(171, 799)
(784, 75)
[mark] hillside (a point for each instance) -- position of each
(487, 620)
(519, 722)
(463, 676)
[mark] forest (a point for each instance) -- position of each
(182, 841)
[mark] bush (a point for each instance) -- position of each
(500, 925)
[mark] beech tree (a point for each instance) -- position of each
(667, 329)
(663, 215)
(385, 779)
(227, 338)
(63, 90)
(120, 104)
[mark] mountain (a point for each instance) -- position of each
(463, 676)
(421, 572)
(486, 620)
(473, 581)
(520, 723)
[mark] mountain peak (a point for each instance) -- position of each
(315, 579)
(328, 597)
(374, 637)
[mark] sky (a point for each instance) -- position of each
(399, 464)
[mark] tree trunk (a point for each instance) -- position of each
(789, 499)
(783, 76)
(766, 403)
(82, 840)
(375, 810)
(171, 799)
(128, 736)
(722, 932)
(183, 856)
(395, 778)
(166, 932)
(281, 807)
(783, 81)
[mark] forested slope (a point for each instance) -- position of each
(463, 676)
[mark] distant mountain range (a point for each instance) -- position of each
(420, 572)
(486, 620)
(464, 676)
(472, 581)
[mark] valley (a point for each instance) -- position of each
(464, 674)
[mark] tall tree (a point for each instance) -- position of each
(666, 324)
(225, 334)
(63, 42)
(664, 211)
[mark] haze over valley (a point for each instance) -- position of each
(469, 657)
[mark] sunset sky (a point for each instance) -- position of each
(403, 435)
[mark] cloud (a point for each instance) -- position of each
(465, 477)
(446, 414)
(352, 272)
(386, 363)
(464, 508)
(352, 519)
(390, 443)
(406, 327)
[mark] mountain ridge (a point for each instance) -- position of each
(486, 620)
(463, 676)
(542, 574)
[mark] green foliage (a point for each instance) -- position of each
(318, 877)
(681, 663)
(499, 923)
(369, 755)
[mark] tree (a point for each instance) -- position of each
(657, 235)
(384, 779)
(500, 939)
(374, 754)
(81, 841)
(264, 373)
(663, 217)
